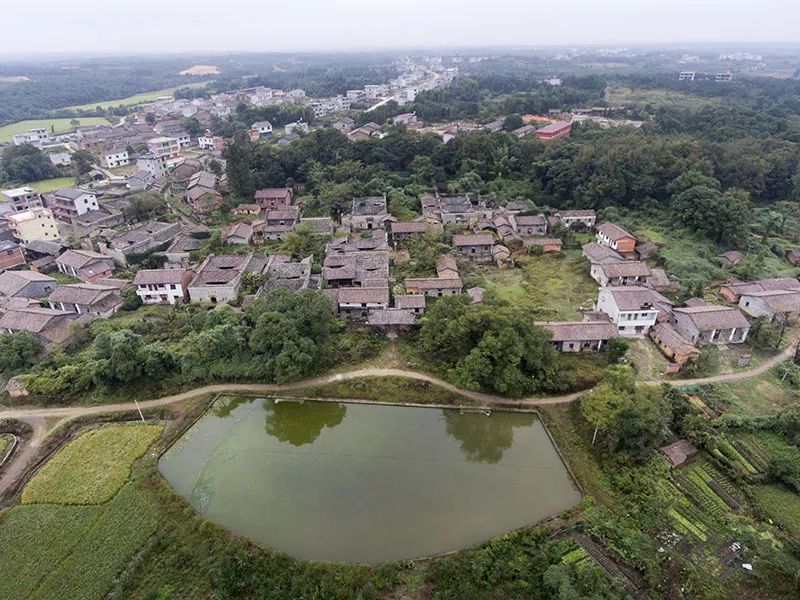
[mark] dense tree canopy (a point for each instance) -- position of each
(488, 347)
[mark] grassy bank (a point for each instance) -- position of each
(53, 126)
(383, 389)
(133, 100)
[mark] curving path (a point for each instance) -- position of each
(36, 417)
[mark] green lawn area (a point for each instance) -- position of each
(72, 552)
(92, 468)
(621, 95)
(137, 99)
(48, 185)
(57, 125)
(5, 442)
(554, 287)
(383, 389)
(762, 395)
(781, 505)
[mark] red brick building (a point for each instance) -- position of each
(555, 130)
(10, 256)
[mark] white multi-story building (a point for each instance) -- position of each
(33, 224)
(300, 126)
(19, 199)
(116, 157)
(633, 309)
(156, 166)
(69, 203)
(35, 136)
(167, 147)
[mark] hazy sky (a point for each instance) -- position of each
(183, 25)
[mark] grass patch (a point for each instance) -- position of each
(92, 468)
(48, 185)
(554, 287)
(383, 389)
(780, 504)
(71, 551)
(53, 126)
(762, 395)
(5, 442)
(620, 95)
(133, 100)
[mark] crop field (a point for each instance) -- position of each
(781, 504)
(55, 126)
(72, 552)
(552, 286)
(136, 99)
(92, 468)
(707, 488)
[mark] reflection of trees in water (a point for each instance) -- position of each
(484, 439)
(301, 424)
(226, 405)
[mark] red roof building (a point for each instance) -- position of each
(555, 130)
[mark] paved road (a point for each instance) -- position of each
(36, 416)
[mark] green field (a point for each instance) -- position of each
(54, 126)
(552, 286)
(48, 185)
(781, 504)
(133, 100)
(72, 551)
(92, 468)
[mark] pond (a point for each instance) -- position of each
(367, 483)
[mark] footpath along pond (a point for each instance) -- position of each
(367, 483)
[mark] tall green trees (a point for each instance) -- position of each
(723, 217)
(26, 163)
(491, 347)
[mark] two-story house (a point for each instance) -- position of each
(633, 309)
(35, 223)
(274, 198)
(70, 203)
(615, 237)
(162, 286)
(579, 220)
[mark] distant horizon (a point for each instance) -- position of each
(93, 27)
(448, 48)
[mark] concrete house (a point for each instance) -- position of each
(710, 324)
(581, 336)
(774, 304)
(33, 224)
(579, 220)
(261, 129)
(25, 284)
(633, 309)
(476, 246)
(86, 265)
(70, 203)
(86, 299)
(620, 273)
(162, 286)
(616, 238)
(19, 199)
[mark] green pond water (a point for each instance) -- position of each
(366, 483)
